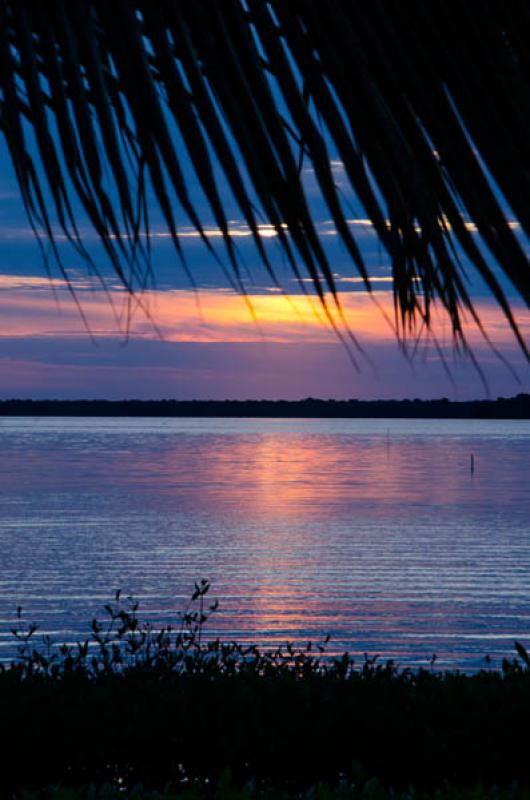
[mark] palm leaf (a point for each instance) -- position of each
(426, 105)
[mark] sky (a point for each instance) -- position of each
(207, 342)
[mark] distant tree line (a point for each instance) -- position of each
(502, 408)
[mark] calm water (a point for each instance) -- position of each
(371, 530)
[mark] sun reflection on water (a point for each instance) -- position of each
(372, 531)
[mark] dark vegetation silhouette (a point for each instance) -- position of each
(133, 704)
(502, 408)
(425, 105)
(226, 790)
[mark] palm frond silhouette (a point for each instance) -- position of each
(427, 106)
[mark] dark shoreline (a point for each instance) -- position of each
(502, 408)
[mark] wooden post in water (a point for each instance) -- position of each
(472, 464)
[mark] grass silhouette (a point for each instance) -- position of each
(169, 710)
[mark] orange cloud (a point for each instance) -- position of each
(29, 309)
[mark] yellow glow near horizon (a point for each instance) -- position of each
(215, 315)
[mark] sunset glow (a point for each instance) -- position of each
(39, 307)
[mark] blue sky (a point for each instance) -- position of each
(205, 344)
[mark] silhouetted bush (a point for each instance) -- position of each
(164, 707)
(225, 790)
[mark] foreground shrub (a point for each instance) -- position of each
(225, 790)
(135, 705)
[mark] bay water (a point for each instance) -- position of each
(376, 532)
